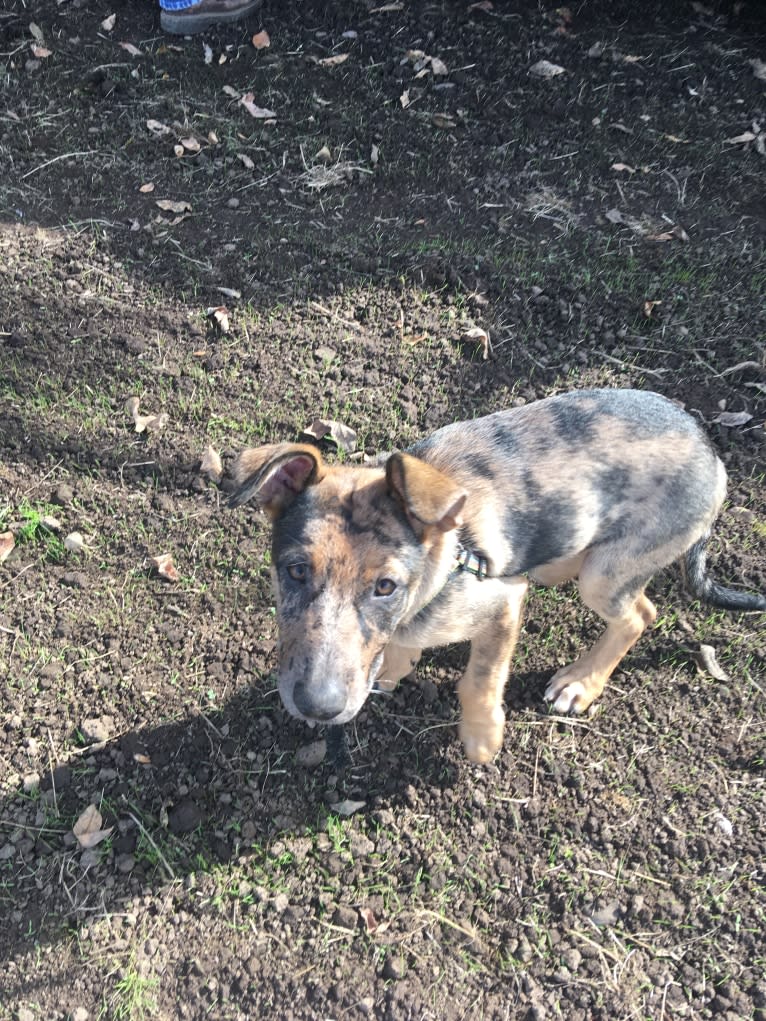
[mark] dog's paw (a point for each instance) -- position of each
(571, 692)
(482, 739)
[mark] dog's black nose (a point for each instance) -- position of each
(319, 702)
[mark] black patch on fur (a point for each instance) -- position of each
(541, 535)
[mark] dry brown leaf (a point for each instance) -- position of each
(404, 99)
(157, 127)
(759, 68)
(7, 543)
(178, 149)
(211, 464)
(88, 829)
(151, 423)
(324, 155)
(707, 663)
(343, 436)
(623, 166)
(108, 23)
(245, 160)
(190, 144)
(37, 32)
(443, 121)
(231, 91)
(675, 138)
(220, 316)
(649, 307)
(545, 69)
(165, 566)
(259, 112)
(438, 66)
(171, 206)
(387, 7)
(41, 52)
(370, 921)
(347, 807)
(478, 336)
(733, 419)
(145, 189)
(261, 40)
(131, 49)
(746, 136)
(334, 60)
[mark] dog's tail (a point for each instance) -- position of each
(709, 591)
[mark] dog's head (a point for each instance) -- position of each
(353, 552)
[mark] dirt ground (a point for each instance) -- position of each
(360, 195)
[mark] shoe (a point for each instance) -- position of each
(206, 13)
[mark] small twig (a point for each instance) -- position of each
(63, 156)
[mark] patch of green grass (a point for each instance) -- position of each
(132, 996)
(34, 531)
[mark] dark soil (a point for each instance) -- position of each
(602, 868)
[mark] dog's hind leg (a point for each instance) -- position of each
(481, 687)
(627, 613)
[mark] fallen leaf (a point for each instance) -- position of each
(75, 543)
(746, 136)
(370, 921)
(649, 307)
(261, 40)
(708, 664)
(165, 566)
(152, 423)
(374, 155)
(343, 436)
(191, 144)
(404, 99)
(132, 405)
(131, 49)
(478, 336)
(53, 524)
(108, 23)
(230, 292)
(37, 32)
(171, 206)
(443, 121)
(211, 464)
(41, 52)
(245, 160)
(334, 60)
(759, 68)
(545, 69)
(387, 7)
(207, 53)
(623, 166)
(724, 824)
(212, 138)
(732, 419)
(157, 127)
(7, 542)
(145, 189)
(347, 807)
(88, 829)
(178, 150)
(220, 316)
(324, 155)
(259, 112)
(438, 66)
(142, 759)
(675, 138)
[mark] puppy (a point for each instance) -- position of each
(373, 564)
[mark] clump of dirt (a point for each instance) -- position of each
(340, 226)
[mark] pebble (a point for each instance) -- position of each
(97, 730)
(184, 817)
(395, 968)
(62, 495)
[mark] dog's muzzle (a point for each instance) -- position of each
(319, 702)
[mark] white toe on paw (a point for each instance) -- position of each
(566, 702)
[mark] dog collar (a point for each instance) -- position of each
(471, 562)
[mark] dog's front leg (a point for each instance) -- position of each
(481, 687)
(399, 661)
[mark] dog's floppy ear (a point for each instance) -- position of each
(429, 498)
(275, 475)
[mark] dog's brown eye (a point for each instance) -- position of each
(385, 587)
(297, 572)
